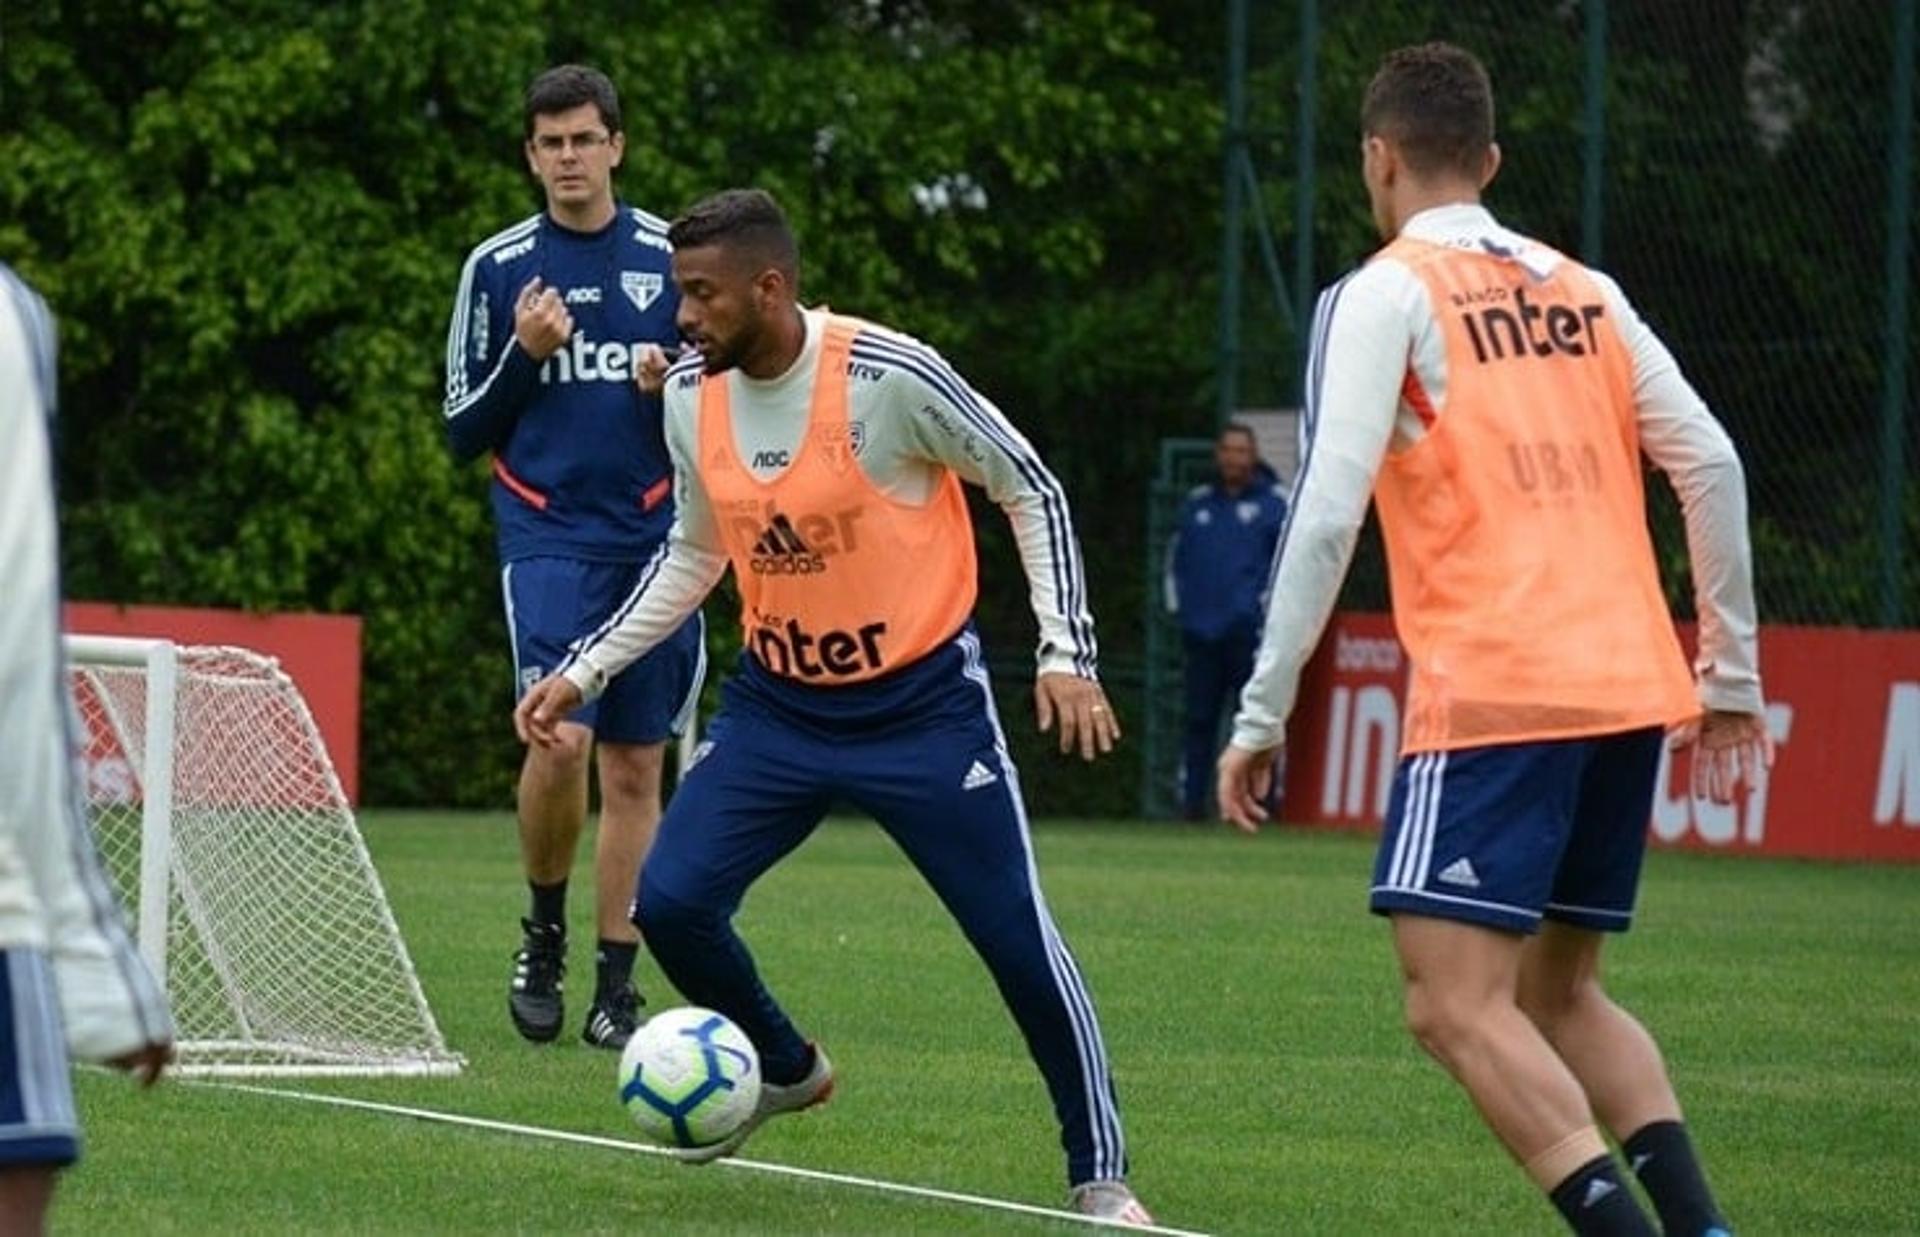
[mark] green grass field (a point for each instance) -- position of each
(1250, 1008)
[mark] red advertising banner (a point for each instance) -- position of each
(319, 652)
(1843, 706)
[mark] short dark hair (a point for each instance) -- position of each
(1239, 427)
(1435, 102)
(567, 86)
(748, 220)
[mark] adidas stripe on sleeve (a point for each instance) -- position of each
(955, 426)
(489, 377)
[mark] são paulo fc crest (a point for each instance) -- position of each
(641, 287)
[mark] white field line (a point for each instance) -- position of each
(619, 1144)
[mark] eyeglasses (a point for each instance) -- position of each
(557, 143)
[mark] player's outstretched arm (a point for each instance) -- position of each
(1363, 328)
(1684, 440)
(670, 587)
(950, 424)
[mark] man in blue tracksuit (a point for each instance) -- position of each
(552, 323)
(1216, 583)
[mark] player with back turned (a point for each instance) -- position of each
(1495, 399)
(554, 320)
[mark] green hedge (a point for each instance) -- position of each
(250, 218)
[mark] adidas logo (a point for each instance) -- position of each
(1597, 1189)
(780, 552)
(1460, 872)
(1641, 1161)
(979, 775)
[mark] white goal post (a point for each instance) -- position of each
(231, 843)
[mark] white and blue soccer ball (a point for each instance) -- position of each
(689, 1077)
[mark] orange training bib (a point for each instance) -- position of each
(1524, 584)
(838, 582)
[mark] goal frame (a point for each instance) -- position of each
(159, 659)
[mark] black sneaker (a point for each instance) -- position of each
(538, 971)
(614, 1018)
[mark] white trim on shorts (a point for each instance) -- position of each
(1603, 912)
(39, 1049)
(1413, 848)
(683, 716)
(513, 629)
(1503, 907)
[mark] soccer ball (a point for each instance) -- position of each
(689, 1077)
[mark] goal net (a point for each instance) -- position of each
(229, 839)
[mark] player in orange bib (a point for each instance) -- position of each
(1495, 399)
(821, 458)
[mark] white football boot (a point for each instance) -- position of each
(1111, 1201)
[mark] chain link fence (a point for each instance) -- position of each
(1745, 168)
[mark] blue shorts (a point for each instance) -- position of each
(1505, 835)
(37, 1121)
(551, 602)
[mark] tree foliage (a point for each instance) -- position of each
(250, 218)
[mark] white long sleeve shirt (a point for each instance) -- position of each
(912, 417)
(1368, 330)
(53, 895)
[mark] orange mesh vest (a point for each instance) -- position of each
(838, 582)
(1524, 585)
